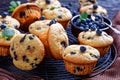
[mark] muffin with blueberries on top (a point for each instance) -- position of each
(40, 28)
(27, 51)
(7, 34)
(57, 39)
(80, 59)
(83, 3)
(94, 9)
(97, 39)
(26, 14)
(9, 21)
(45, 4)
(62, 15)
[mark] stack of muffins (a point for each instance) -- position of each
(44, 23)
(91, 7)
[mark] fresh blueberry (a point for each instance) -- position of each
(102, 25)
(93, 28)
(70, 4)
(84, 21)
(4, 14)
(86, 29)
(77, 22)
(74, 12)
(95, 6)
(98, 18)
(99, 32)
(90, 24)
(53, 21)
(88, 20)
(82, 28)
(3, 26)
(89, 16)
(82, 25)
(47, 1)
(82, 48)
(42, 17)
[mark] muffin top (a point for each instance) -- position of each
(9, 21)
(39, 27)
(57, 39)
(81, 54)
(87, 2)
(26, 14)
(94, 8)
(44, 4)
(60, 14)
(7, 35)
(95, 38)
(27, 51)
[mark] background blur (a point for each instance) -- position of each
(111, 5)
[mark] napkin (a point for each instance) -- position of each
(113, 73)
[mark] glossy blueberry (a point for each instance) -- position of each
(90, 24)
(86, 29)
(88, 20)
(84, 21)
(47, 1)
(101, 25)
(77, 22)
(99, 32)
(82, 26)
(4, 14)
(74, 12)
(98, 18)
(3, 26)
(95, 6)
(93, 28)
(70, 4)
(42, 17)
(82, 48)
(53, 21)
(31, 37)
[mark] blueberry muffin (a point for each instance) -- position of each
(40, 29)
(26, 14)
(44, 4)
(83, 3)
(57, 40)
(7, 35)
(27, 51)
(62, 15)
(97, 39)
(94, 9)
(9, 21)
(80, 59)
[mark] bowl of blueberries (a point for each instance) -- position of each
(84, 22)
